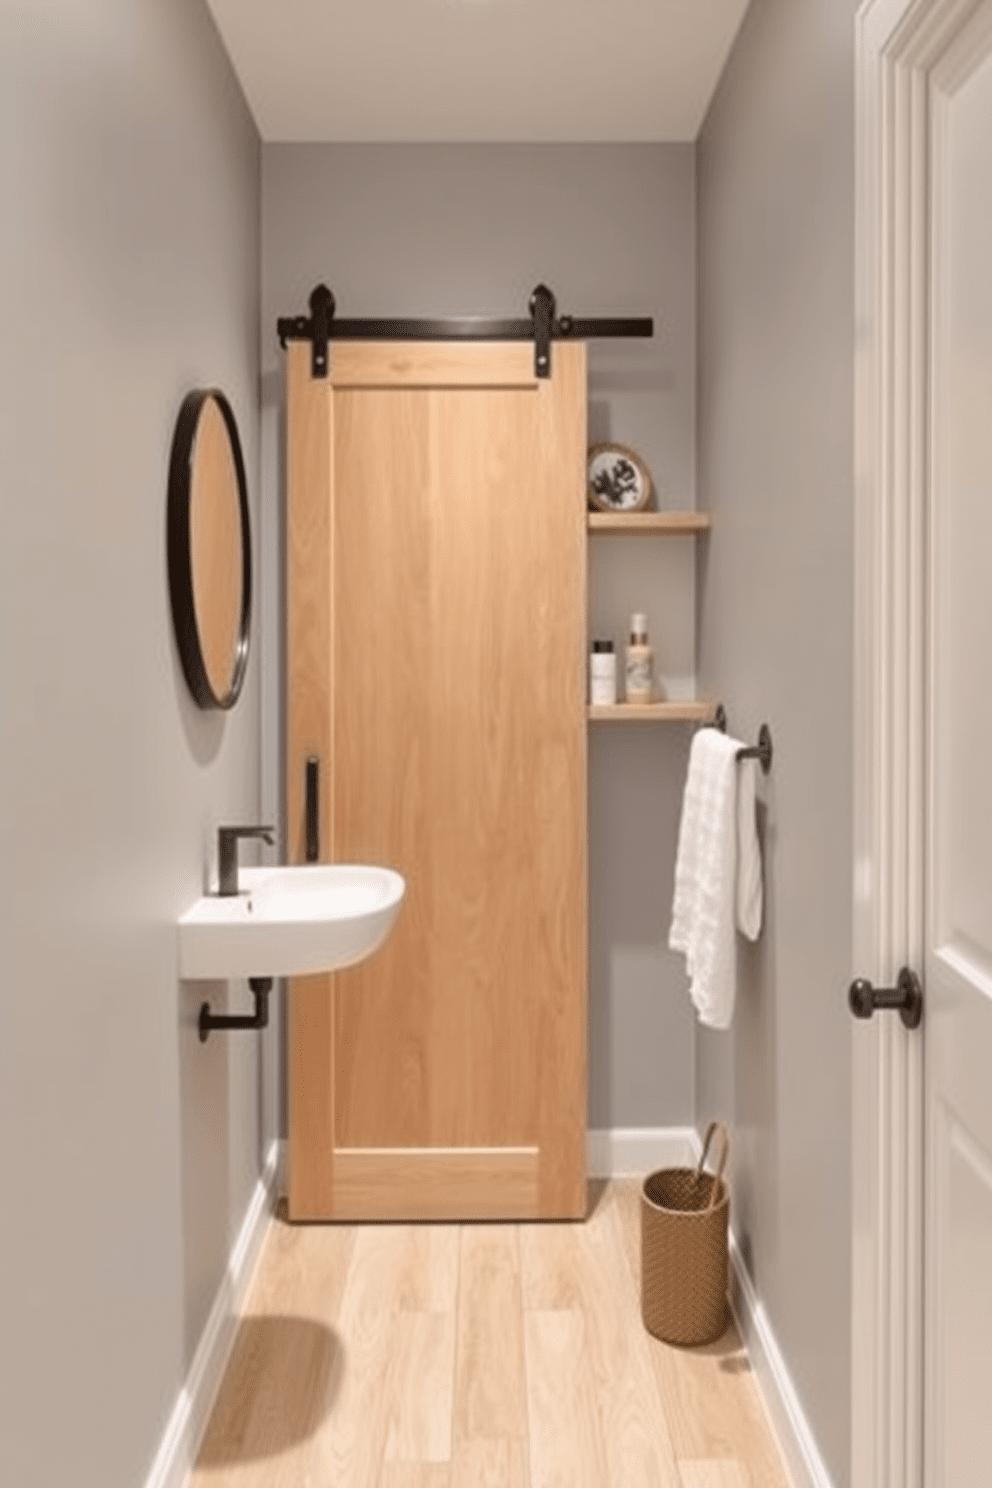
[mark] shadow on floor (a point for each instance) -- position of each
(727, 1350)
(280, 1384)
(595, 1193)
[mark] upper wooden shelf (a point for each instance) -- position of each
(690, 710)
(648, 522)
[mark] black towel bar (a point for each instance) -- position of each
(762, 751)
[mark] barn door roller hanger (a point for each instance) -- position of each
(543, 327)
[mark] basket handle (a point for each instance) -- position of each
(721, 1131)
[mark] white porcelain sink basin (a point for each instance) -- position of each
(290, 921)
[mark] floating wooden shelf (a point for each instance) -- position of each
(646, 523)
(687, 711)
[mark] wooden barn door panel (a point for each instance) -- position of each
(453, 558)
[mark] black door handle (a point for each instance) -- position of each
(312, 810)
(906, 998)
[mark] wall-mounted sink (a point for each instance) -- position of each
(290, 921)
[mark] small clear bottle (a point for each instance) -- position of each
(602, 674)
(639, 671)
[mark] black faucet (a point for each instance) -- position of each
(227, 854)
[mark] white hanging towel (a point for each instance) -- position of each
(717, 880)
(749, 891)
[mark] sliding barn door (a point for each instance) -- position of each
(436, 641)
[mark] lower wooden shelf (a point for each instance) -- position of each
(686, 711)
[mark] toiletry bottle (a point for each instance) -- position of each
(602, 673)
(640, 662)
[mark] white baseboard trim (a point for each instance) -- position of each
(633, 1152)
(184, 1432)
(787, 1415)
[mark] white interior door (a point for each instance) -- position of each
(922, 1099)
(958, 936)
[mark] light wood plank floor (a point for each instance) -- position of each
(476, 1356)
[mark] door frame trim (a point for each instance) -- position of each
(897, 45)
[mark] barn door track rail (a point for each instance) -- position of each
(543, 326)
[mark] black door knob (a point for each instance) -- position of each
(905, 998)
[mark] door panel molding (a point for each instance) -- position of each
(403, 364)
(961, 1175)
(435, 1182)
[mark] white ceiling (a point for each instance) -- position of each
(474, 70)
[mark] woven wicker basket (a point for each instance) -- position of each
(684, 1220)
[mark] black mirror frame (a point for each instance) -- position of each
(180, 558)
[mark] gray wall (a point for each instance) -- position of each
(469, 230)
(130, 271)
(776, 327)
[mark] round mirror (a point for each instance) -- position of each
(209, 549)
